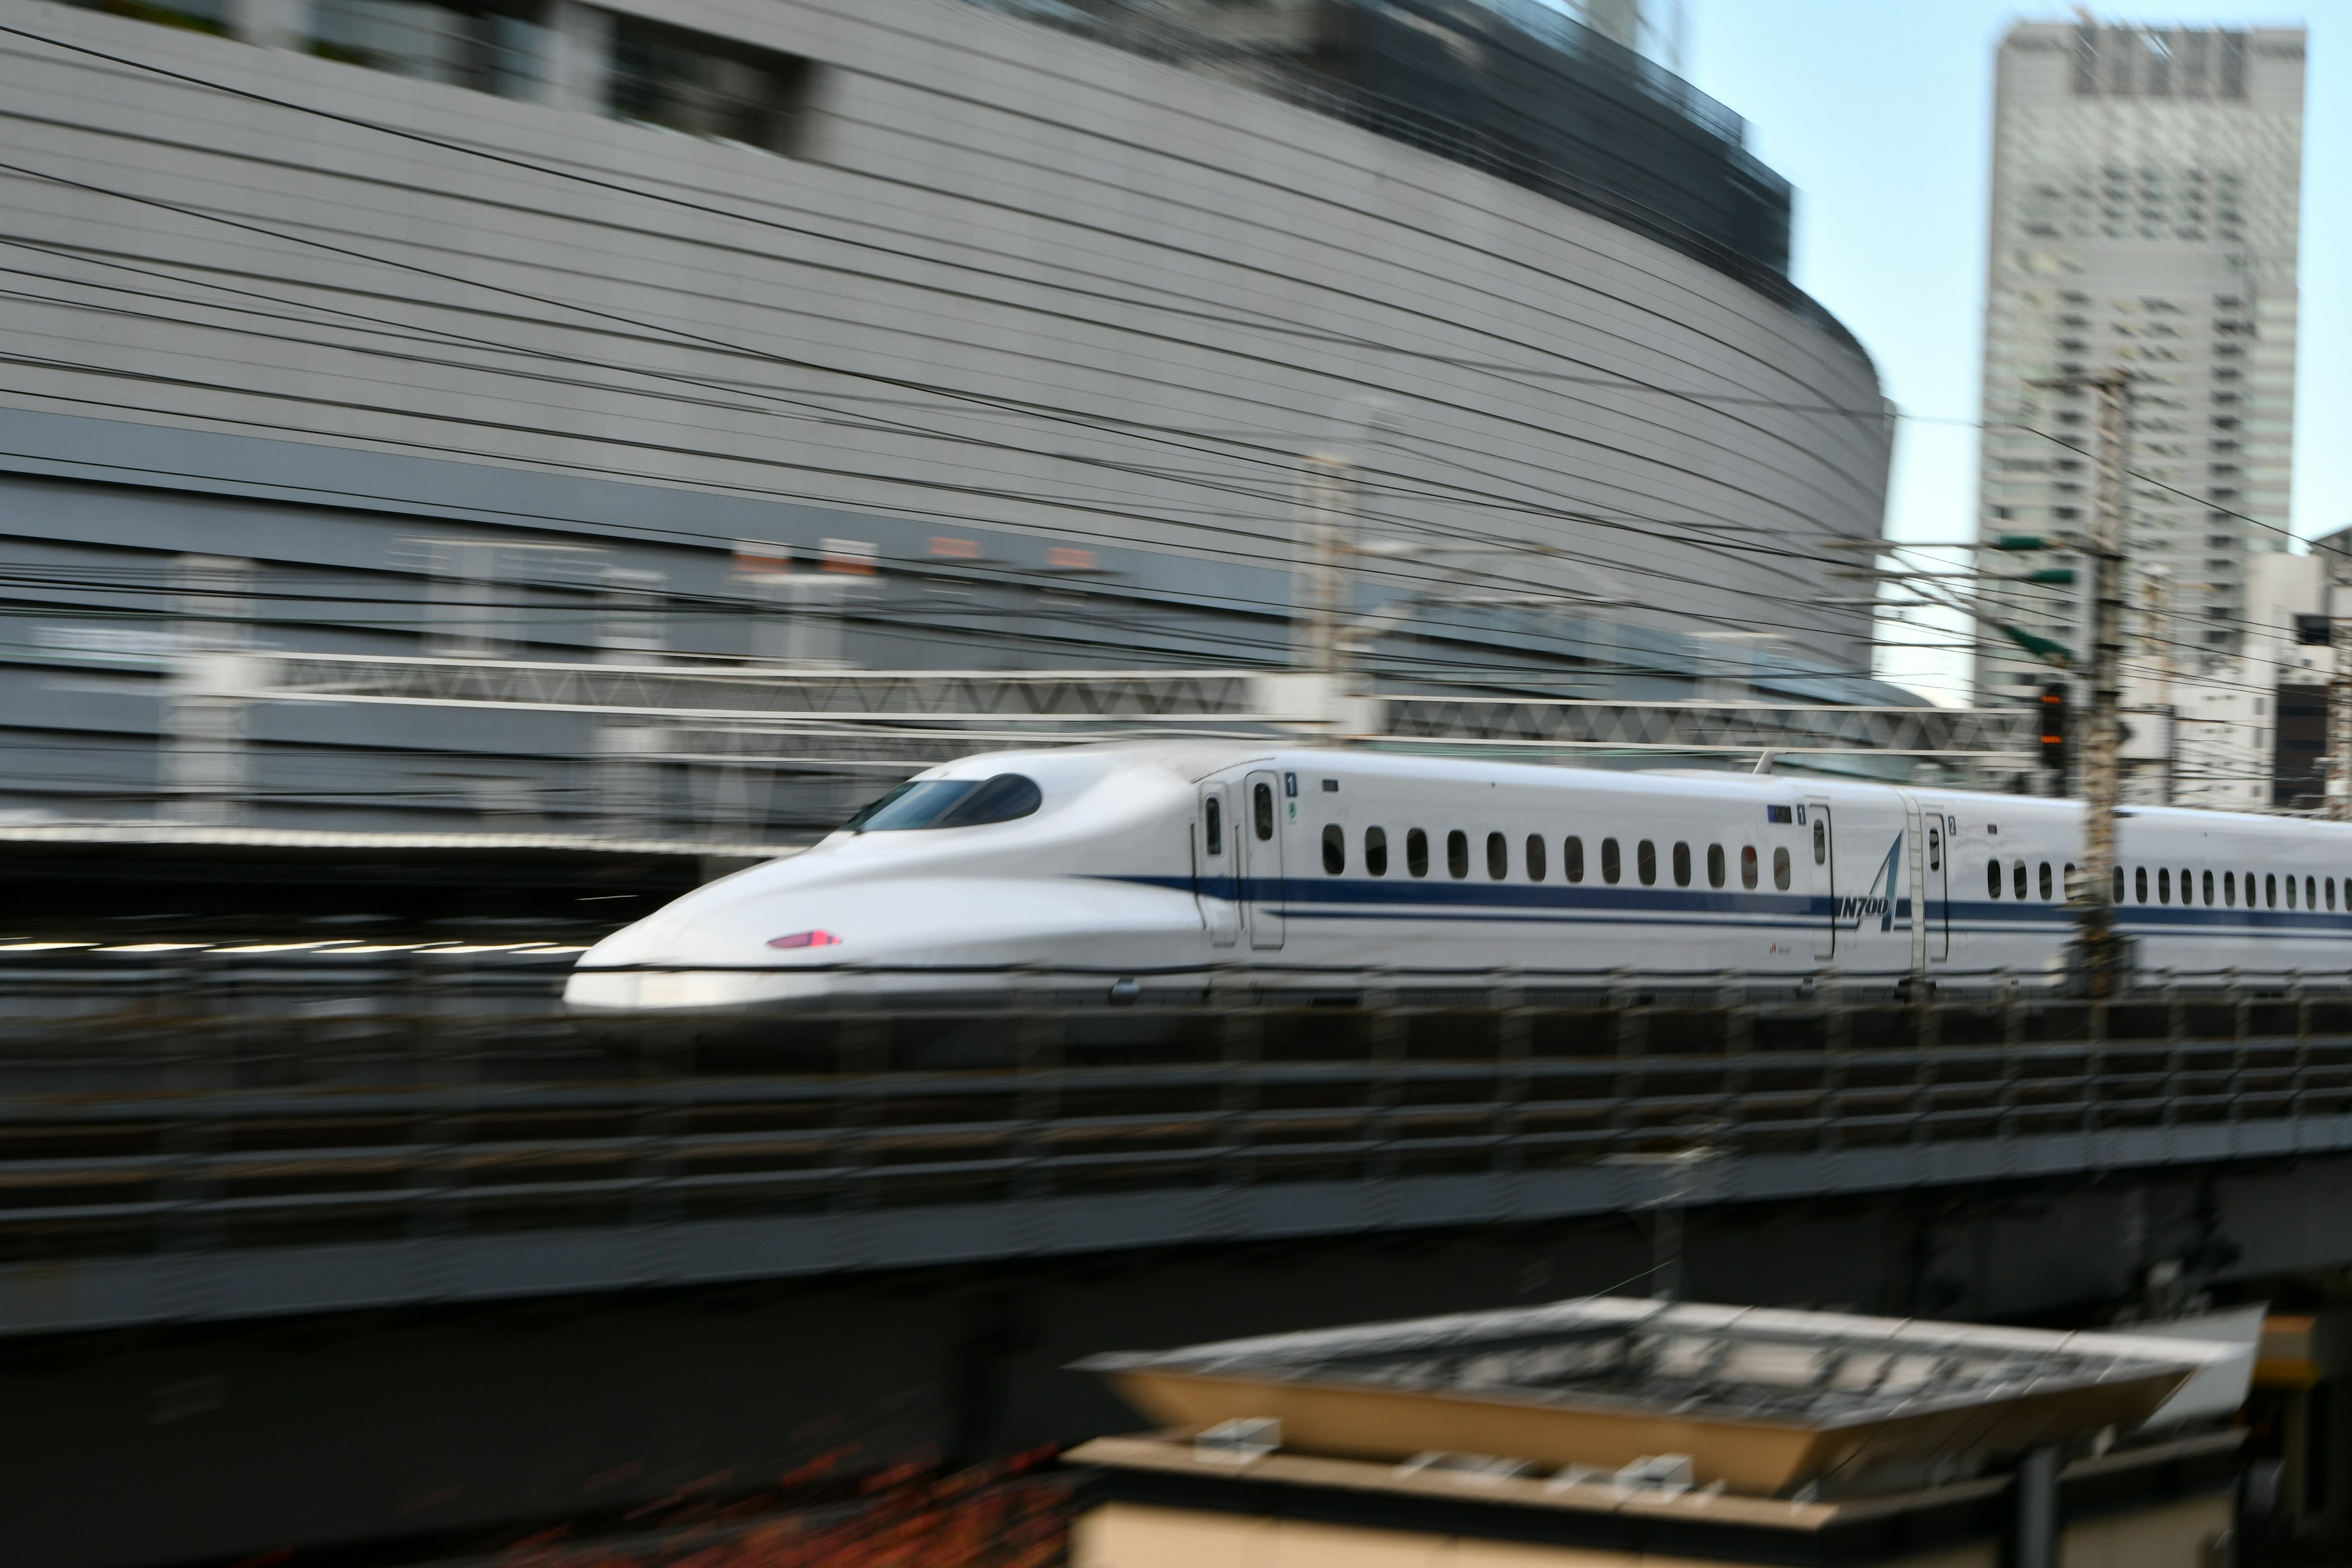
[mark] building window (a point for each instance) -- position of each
(196, 16)
(709, 87)
(494, 48)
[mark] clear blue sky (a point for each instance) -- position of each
(1879, 112)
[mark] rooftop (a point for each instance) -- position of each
(1764, 1402)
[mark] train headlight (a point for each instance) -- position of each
(806, 939)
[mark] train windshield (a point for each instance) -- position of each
(950, 803)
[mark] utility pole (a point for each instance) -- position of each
(2339, 705)
(2100, 951)
(2157, 634)
(1325, 505)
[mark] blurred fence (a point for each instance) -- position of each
(244, 1101)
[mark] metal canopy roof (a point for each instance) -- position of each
(1762, 1400)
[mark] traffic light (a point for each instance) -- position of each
(2053, 726)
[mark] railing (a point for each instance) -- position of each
(248, 1101)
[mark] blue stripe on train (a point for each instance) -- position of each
(1307, 897)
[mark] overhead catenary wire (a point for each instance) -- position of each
(1255, 534)
(1623, 382)
(1029, 278)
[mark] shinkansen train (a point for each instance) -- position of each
(1147, 864)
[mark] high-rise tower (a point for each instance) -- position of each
(2144, 209)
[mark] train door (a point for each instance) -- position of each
(1260, 844)
(1931, 887)
(1821, 841)
(1215, 865)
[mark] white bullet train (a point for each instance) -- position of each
(1145, 864)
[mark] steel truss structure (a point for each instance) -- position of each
(735, 733)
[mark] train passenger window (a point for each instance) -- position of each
(1992, 879)
(1748, 865)
(2021, 879)
(1498, 857)
(1682, 865)
(1780, 868)
(1714, 864)
(1934, 849)
(2072, 885)
(1820, 842)
(1261, 810)
(1571, 858)
(2290, 892)
(2120, 887)
(1335, 849)
(2230, 890)
(2139, 884)
(2163, 884)
(1416, 853)
(1535, 857)
(2046, 887)
(1376, 851)
(1645, 862)
(1214, 826)
(2328, 884)
(2270, 889)
(2310, 894)
(1611, 868)
(1457, 853)
(2208, 890)
(2188, 885)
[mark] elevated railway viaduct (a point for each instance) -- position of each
(358, 1241)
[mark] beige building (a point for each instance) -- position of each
(2145, 216)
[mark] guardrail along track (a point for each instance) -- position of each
(177, 1109)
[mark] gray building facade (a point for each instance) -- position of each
(902, 333)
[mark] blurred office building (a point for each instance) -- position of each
(2144, 213)
(906, 334)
